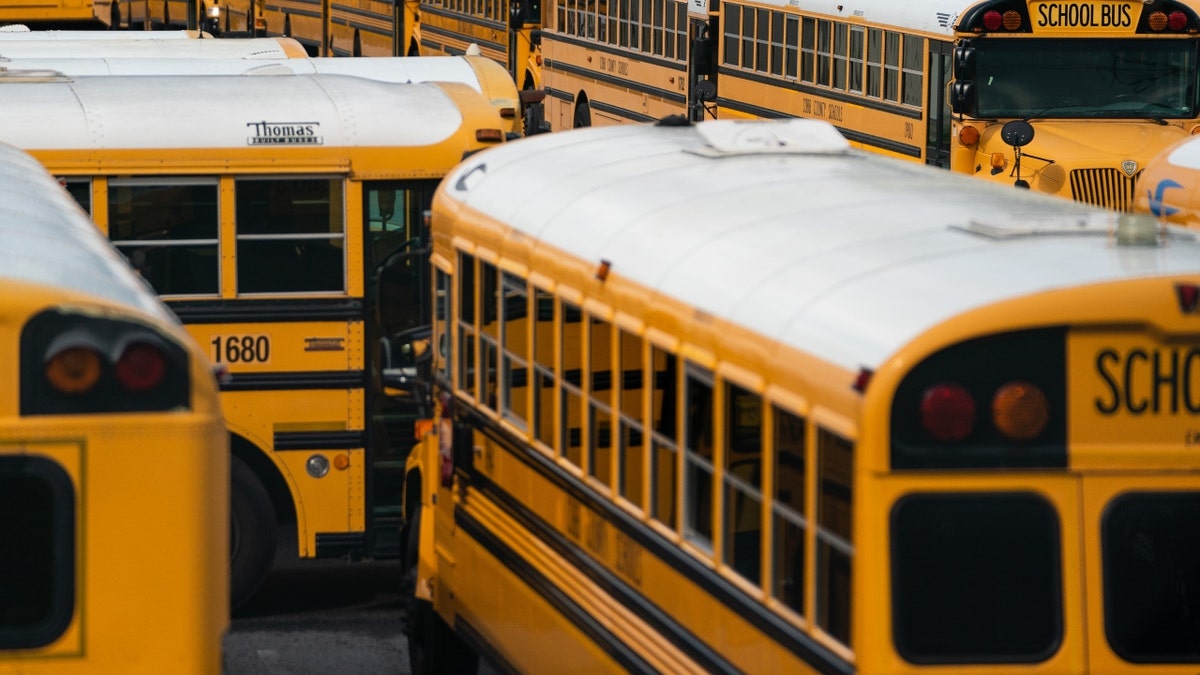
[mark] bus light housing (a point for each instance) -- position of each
(997, 401)
(968, 136)
(141, 367)
(489, 135)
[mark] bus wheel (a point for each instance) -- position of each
(583, 115)
(433, 647)
(252, 533)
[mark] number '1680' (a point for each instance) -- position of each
(241, 348)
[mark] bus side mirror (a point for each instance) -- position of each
(964, 62)
(962, 97)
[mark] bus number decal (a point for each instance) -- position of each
(241, 348)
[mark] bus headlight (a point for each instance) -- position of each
(317, 466)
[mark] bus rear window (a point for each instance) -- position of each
(975, 578)
(1152, 576)
(37, 554)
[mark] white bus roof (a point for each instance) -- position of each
(924, 16)
(384, 69)
(21, 32)
(45, 238)
(243, 48)
(823, 248)
(215, 111)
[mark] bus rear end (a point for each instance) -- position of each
(113, 491)
(1042, 494)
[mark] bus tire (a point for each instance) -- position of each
(252, 533)
(583, 115)
(433, 646)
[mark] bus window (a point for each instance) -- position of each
(698, 456)
(665, 440)
(514, 309)
(167, 228)
(81, 190)
(631, 453)
(291, 235)
(789, 522)
(570, 444)
(835, 467)
(466, 325)
(743, 481)
(489, 335)
(543, 368)
(600, 388)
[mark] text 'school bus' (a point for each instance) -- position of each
(1169, 185)
(281, 218)
(736, 397)
(360, 28)
(114, 462)
(1097, 87)
(250, 48)
(478, 72)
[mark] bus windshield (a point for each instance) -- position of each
(1086, 78)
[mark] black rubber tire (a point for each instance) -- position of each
(583, 115)
(253, 534)
(433, 647)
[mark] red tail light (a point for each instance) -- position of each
(141, 367)
(948, 412)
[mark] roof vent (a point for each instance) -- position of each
(770, 137)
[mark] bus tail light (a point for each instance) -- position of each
(77, 361)
(948, 412)
(993, 402)
(73, 368)
(1177, 21)
(141, 367)
(992, 20)
(1020, 411)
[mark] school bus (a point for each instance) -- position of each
(479, 73)
(1107, 83)
(734, 396)
(114, 462)
(1167, 188)
(507, 31)
(359, 28)
(280, 218)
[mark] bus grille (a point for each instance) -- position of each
(1109, 188)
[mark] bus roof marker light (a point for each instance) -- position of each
(1020, 411)
(947, 412)
(1138, 229)
(602, 270)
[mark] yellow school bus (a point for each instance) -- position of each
(734, 396)
(357, 28)
(114, 462)
(281, 219)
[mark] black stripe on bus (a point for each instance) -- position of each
(267, 311)
(850, 134)
(448, 36)
(559, 94)
(722, 590)
(617, 82)
(630, 661)
(320, 440)
(291, 381)
(310, 13)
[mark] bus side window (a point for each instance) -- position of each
(743, 481)
(543, 367)
(788, 520)
(514, 344)
(489, 334)
(664, 480)
(698, 456)
(632, 449)
(600, 388)
(290, 235)
(465, 368)
(570, 426)
(168, 230)
(835, 553)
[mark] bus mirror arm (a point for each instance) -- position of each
(405, 361)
